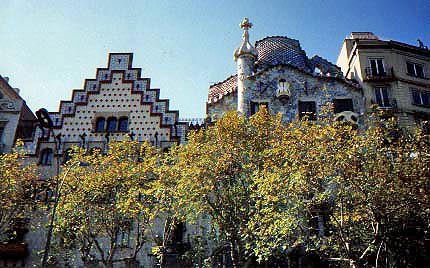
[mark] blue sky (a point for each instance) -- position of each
(48, 48)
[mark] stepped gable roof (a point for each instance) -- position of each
(274, 50)
(218, 90)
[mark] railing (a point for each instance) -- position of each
(379, 75)
(192, 121)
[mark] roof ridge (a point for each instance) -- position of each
(225, 80)
(276, 36)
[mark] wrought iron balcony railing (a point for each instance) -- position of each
(379, 75)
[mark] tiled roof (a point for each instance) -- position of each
(218, 90)
(280, 50)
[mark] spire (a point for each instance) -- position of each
(245, 47)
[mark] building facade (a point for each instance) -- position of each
(117, 104)
(277, 74)
(394, 75)
(16, 119)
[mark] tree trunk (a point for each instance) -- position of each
(236, 252)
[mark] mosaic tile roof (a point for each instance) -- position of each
(275, 50)
(218, 90)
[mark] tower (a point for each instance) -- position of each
(244, 56)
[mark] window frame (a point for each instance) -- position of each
(120, 120)
(415, 73)
(311, 115)
(421, 94)
(337, 109)
(98, 119)
(384, 103)
(255, 106)
(378, 72)
(109, 122)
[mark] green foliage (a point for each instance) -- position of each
(261, 188)
(16, 184)
(270, 186)
(109, 203)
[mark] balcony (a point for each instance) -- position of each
(380, 76)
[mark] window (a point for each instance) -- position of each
(377, 66)
(46, 157)
(381, 94)
(415, 69)
(178, 233)
(420, 97)
(100, 124)
(256, 106)
(111, 124)
(123, 124)
(307, 108)
(342, 105)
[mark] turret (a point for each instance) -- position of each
(245, 56)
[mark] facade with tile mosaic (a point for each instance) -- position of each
(277, 74)
(118, 104)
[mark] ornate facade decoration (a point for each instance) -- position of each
(277, 74)
(118, 104)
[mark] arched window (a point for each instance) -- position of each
(46, 157)
(100, 124)
(111, 124)
(123, 124)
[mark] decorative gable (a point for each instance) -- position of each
(118, 104)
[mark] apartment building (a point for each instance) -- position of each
(394, 75)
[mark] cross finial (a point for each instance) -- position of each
(245, 24)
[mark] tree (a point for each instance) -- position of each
(108, 205)
(323, 190)
(363, 195)
(215, 176)
(16, 183)
(381, 213)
